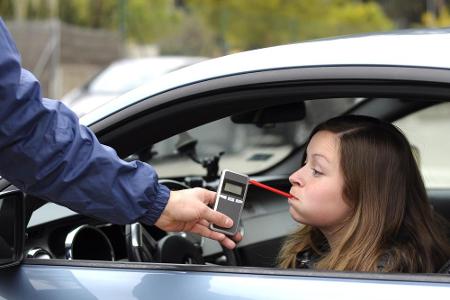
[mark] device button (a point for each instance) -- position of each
(238, 201)
(230, 199)
(223, 197)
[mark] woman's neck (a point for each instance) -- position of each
(333, 235)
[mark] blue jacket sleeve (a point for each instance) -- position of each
(45, 152)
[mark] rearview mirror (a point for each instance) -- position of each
(271, 115)
(12, 228)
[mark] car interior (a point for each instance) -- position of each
(266, 143)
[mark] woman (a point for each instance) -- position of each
(363, 202)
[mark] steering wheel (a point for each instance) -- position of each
(174, 248)
(140, 244)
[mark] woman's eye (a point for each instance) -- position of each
(315, 172)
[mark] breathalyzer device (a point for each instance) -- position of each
(230, 199)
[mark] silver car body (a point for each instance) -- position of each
(131, 282)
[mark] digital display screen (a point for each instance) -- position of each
(232, 188)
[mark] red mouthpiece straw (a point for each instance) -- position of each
(269, 188)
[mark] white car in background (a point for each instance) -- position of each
(122, 76)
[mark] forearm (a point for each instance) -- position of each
(46, 152)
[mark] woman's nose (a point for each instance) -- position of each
(296, 177)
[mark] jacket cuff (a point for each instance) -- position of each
(158, 204)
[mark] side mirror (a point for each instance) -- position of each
(12, 228)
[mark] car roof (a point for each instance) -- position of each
(408, 48)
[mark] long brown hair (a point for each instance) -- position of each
(391, 220)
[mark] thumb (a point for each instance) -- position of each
(207, 196)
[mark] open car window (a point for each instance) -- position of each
(248, 149)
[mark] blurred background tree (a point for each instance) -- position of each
(141, 21)
(404, 13)
(65, 42)
(215, 27)
(241, 25)
(437, 15)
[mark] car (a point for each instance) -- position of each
(249, 112)
(122, 76)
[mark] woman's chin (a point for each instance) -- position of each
(294, 215)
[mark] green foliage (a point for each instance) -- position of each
(38, 9)
(6, 8)
(441, 20)
(213, 27)
(404, 13)
(148, 21)
(142, 21)
(190, 38)
(90, 13)
(355, 18)
(242, 25)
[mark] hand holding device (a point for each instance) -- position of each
(231, 195)
(230, 199)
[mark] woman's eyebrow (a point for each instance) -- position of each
(321, 155)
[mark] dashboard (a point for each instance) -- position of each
(56, 232)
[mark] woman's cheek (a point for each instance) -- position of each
(302, 211)
(314, 209)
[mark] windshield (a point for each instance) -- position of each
(246, 148)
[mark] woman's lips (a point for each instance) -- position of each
(292, 200)
(293, 195)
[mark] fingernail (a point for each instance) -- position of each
(228, 222)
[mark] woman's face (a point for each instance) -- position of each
(317, 186)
